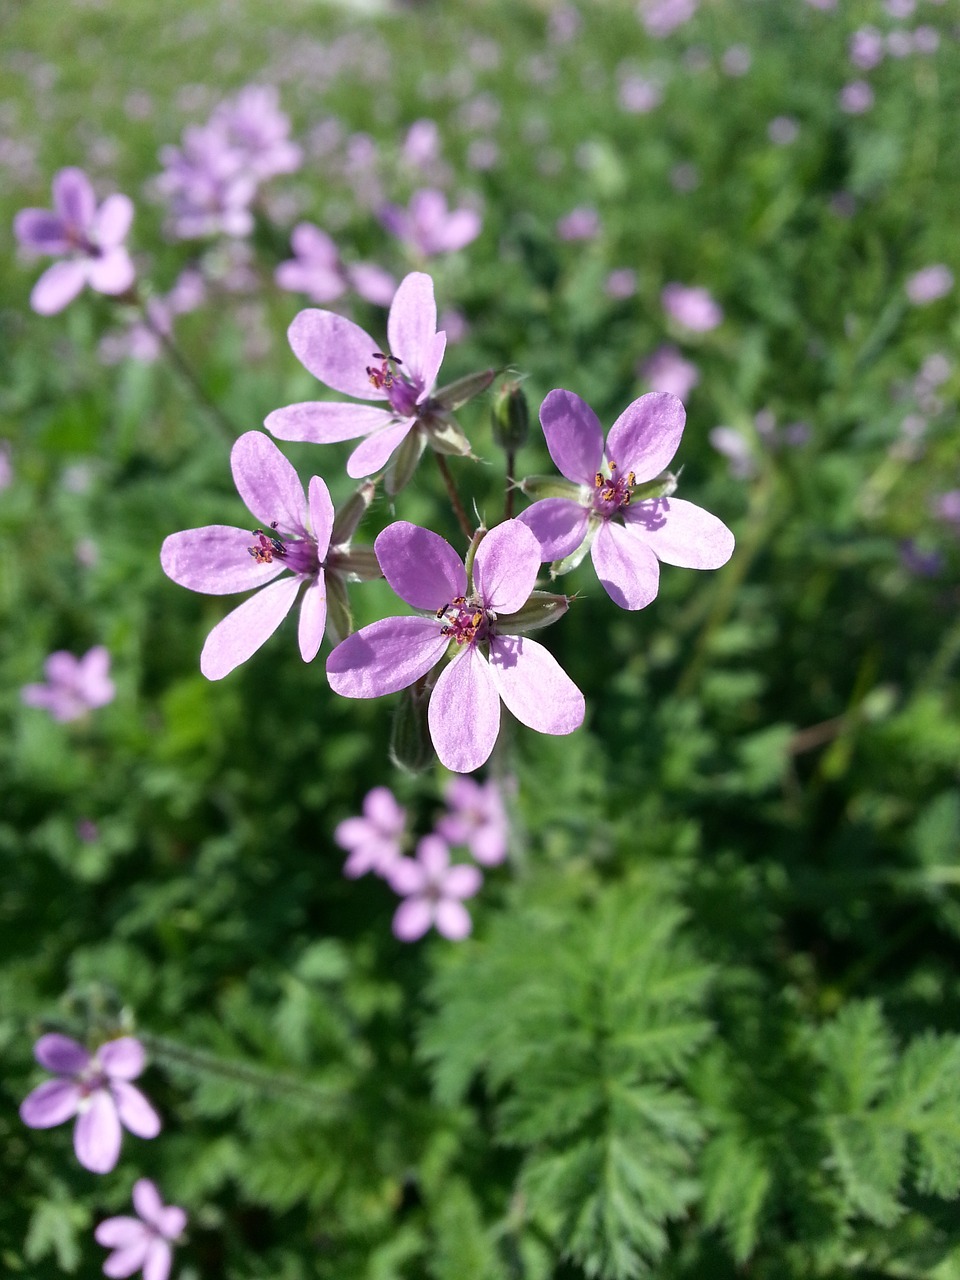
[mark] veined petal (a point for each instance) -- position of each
(430, 364)
(123, 1058)
(317, 422)
(452, 919)
(50, 1104)
(241, 633)
(681, 533)
(506, 566)
(464, 712)
(421, 567)
(112, 273)
(73, 198)
(215, 560)
(320, 507)
(385, 656)
(627, 568)
(97, 1134)
(112, 221)
(336, 351)
(58, 286)
(573, 434)
(61, 1054)
(313, 617)
(534, 686)
(412, 325)
(158, 1260)
(647, 434)
(558, 524)
(135, 1112)
(412, 919)
(373, 453)
(267, 483)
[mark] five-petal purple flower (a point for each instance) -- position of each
(433, 891)
(489, 663)
(428, 227)
(96, 1089)
(74, 685)
(627, 535)
(374, 840)
(88, 239)
(142, 1243)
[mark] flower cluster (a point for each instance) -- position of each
(74, 685)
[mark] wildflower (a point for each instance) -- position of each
(96, 1089)
(668, 370)
(373, 840)
(428, 227)
(655, 526)
(434, 892)
(782, 130)
(317, 271)
(929, 285)
(343, 356)
(620, 283)
(474, 619)
(421, 146)
(735, 447)
(74, 685)
(661, 17)
(638, 94)
(207, 186)
(89, 239)
(582, 223)
(866, 48)
(476, 818)
(691, 306)
(142, 1243)
(299, 539)
(6, 465)
(256, 128)
(856, 98)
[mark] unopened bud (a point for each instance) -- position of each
(351, 513)
(339, 617)
(455, 394)
(541, 609)
(404, 462)
(511, 417)
(411, 747)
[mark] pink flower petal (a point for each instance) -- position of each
(313, 618)
(627, 568)
(159, 1259)
(97, 1133)
(147, 1202)
(647, 434)
(112, 221)
(430, 363)
(374, 452)
(267, 483)
(434, 856)
(385, 656)
(336, 351)
(320, 507)
(73, 198)
(40, 231)
(317, 422)
(558, 524)
(407, 876)
(681, 533)
(412, 324)
(462, 882)
(61, 1054)
(573, 434)
(241, 633)
(412, 919)
(112, 273)
(58, 286)
(123, 1058)
(50, 1104)
(421, 567)
(216, 560)
(126, 1261)
(135, 1112)
(452, 919)
(121, 1233)
(173, 1221)
(534, 686)
(464, 712)
(506, 566)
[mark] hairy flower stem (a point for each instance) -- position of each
(269, 1083)
(454, 497)
(183, 368)
(508, 498)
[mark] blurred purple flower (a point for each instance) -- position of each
(668, 370)
(899, 44)
(926, 39)
(737, 60)
(434, 892)
(141, 341)
(621, 283)
(257, 130)
(638, 94)
(295, 540)
(374, 840)
(866, 48)
(207, 186)
(661, 17)
(476, 818)
(315, 269)
(735, 447)
(96, 1089)
(856, 98)
(142, 1243)
(564, 24)
(74, 685)
(947, 506)
(929, 284)
(491, 662)
(900, 8)
(89, 239)
(627, 539)
(782, 130)
(6, 465)
(691, 306)
(421, 146)
(346, 358)
(372, 283)
(483, 154)
(428, 227)
(581, 223)
(918, 561)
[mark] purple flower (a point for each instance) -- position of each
(691, 306)
(621, 283)
(142, 1243)
(421, 146)
(6, 465)
(89, 239)
(317, 271)
(490, 660)
(668, 370)
(96, 1089)
(434, 892)
(373, 840)
(207, 186)
(866, 48)
(295, 541)
(947, 507)
(627, 534)
(582, 223)
(661, 17)
(929, 285)
(74, 685)
(346, 358)
(856, 98)
(782, 130)
(476, 818)
(257, 129)
(638, 94)
(735, 447)
(427, 226)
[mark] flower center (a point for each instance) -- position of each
(463, 620)
(384, 377)
(299, 555)
(266, 546)
(613, 492)
(401, 392)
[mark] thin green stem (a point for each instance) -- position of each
(185, 370)
(458, 509)
(508, 499)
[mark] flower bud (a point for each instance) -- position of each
(411, 747)
(455, 394)
(511, 417)
(404, 462)
(339, 617)
(537, 487)
(351, 513)
(446, 436)
(541, 609)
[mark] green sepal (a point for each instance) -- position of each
(347, 519)
(404, 461)
(571, 561)
(446, 436)
(664, 485)
(541, 609)
(537, 487)
(411, 747)
(339, 617)
(457, 393)
(510, 417)
(355, 564)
